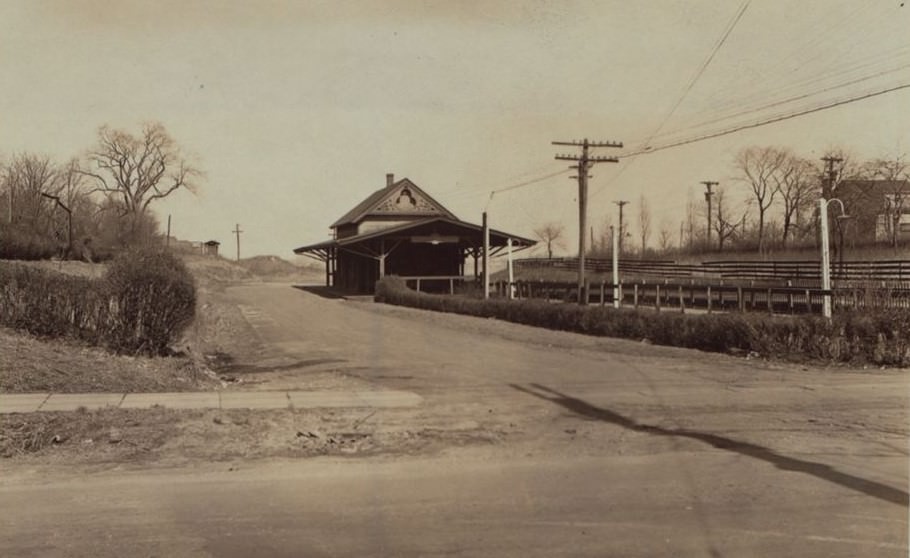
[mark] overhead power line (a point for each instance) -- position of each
(770, 120)
(523, 184)
(783, 101)
(695, 77)
(704, 66)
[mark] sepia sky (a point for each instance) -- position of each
(296, 110)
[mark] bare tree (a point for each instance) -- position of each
(896, 175)
(644, 223)
(551, 234)
(26, 178)
(137, 170)
(723, 225)
(797, 185)
(758, 167)
(665, 236)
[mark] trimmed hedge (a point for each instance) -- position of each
(858, 337)
(144, 301)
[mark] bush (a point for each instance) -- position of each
(141, 305)
(881, 337)
(155, 299)
(17, 244)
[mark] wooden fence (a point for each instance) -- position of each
(708, 297)
(894, 273)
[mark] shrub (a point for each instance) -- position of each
(18, 244)
(881, 337)
(155, 299)
(144, 302)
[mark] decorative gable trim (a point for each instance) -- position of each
(406, 199)
(402, 199)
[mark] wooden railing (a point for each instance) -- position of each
(709, 297)
(415, 281)
(802, 273)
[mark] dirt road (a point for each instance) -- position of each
(550, 443)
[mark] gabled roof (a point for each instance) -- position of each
(875, 187)
(377, 199)
(873, 194)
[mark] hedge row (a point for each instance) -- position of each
(143, 302)
(880, 338)
(17, 244)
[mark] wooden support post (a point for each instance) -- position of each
(657, 296)
(709, 299)
(770, 301)
(682, 302)
(451, 286)
(635, 295)
(740, 301)
(418, 284)
(808, 302)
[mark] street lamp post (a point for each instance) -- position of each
(826, 256)
(613, 233)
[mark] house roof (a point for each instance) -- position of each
(374, 201)
(445, 224)
(875, 187)
(873, 194)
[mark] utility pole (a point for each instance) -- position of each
(237, 232)
(585, 162)
(828, 182)
(486, 257)
(708, 195)
(167, 243)
(622, 230)
(830, 175)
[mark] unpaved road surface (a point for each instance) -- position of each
(547, 443)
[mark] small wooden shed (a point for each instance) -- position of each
(210, 248)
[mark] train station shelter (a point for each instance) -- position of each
(401, 230)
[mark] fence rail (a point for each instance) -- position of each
(710, 297)
(801, 273)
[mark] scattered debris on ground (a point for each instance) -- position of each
(121, 436)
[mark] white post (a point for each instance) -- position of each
(486, 257)
(826, 265)
(511, 274)
(615, 266)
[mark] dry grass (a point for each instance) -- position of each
(35, 365)
(105, 434)
(78, 269)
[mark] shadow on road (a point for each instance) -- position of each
(818, 470)
(321, 290)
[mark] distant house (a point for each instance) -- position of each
(401, 230)
(879, 210)
(210, 247)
